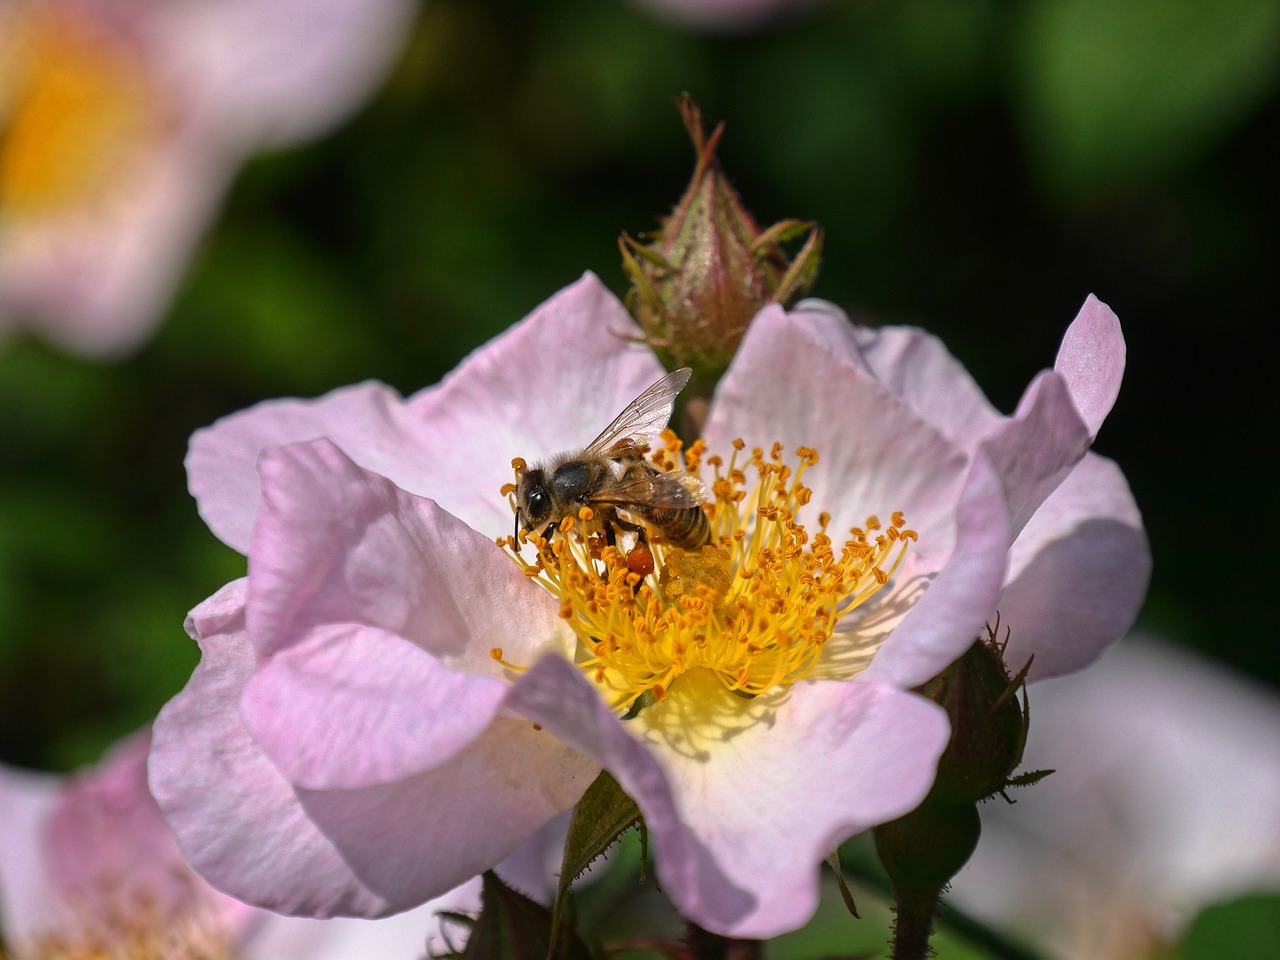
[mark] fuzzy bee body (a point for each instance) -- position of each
(612, 477)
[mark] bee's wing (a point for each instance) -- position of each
(646, 416)
(671, 490)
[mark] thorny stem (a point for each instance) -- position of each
(913, 927)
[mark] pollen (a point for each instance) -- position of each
(755, 608)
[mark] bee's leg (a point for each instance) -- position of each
(547, 533)
(640, 557)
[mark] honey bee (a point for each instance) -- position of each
(612, 477)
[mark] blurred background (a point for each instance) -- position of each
(979, 167)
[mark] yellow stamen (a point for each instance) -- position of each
(138, 931)
(754, 609)
(79, 103)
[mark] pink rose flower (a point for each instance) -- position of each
(123, 121)
(390, 702)
(1166, 799)
(89, 867)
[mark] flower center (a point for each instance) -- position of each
(75, 100)
(755, 608)
(173, 939)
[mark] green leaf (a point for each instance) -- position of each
(603, 814)
(513, 927)
(1247, 928)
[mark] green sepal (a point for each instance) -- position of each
(1027, 779)
(513, 927)
(604, 813)
(846, 894)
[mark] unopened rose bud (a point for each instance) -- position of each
(710, 268)
(988, 724)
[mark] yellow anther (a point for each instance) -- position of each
(519, 465)
(755, 609)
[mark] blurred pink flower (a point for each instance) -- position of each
(122, 122)
(1166, 799)
(88, 867)
(727, 16)
(348, 743)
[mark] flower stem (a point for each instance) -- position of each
(704, 945)
(913, 927)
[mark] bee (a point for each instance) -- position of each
(612, 477)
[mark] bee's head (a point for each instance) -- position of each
(533, 502)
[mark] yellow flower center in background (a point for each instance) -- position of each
(754, 609)
(75, 103)
(182, 938)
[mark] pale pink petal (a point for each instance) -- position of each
(1078, 573)
(551, 383)
(96, 280)
(274, 72)
(416, 837)
(29, 903)
(917, 368)
(875, 455)
(1035, 449)
(557, 695)
(454, 442)
(354, 706)
(368, 421)
(950, 615)
(829, 326)
(1091, 360)
(319, 853)
(778, 781)
(415, 933)
(804, 771)
(109, 848)
(336, 544)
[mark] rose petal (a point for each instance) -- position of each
(453, 442)
(368, 421)
(105, 833)
(337, 544)
(783, 780)
(918, 369)
(961, 599)
(29, 904)
(95, 280)
(415, 933)
(1035, 449)
(278, 72)
(319, 853)
(1078, 573)
(1091, 360)
(551, 383)
(355, 706)
(875, 456)
(555, 694)
(780, 780)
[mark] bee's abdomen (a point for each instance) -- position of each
(686, 528)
